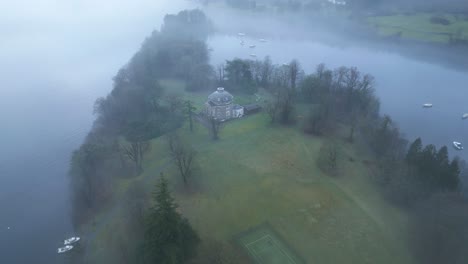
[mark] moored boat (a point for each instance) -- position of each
(457, 145)
(427, 105)
(64, 249)
(71, 240)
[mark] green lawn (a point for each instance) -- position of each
(259, 173)
(419, 27)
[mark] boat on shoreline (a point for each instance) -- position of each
(64, 249)
(71, 240)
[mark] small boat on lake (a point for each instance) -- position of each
(262, 40)
(427, 105)
(71, 240)
(252, 46)
(64, 249)
(253, 55)
(465, 116)
(241, 34)
(457, 145)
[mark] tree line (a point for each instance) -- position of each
(138, 109)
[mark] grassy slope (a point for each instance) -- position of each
(419, 27)
(259, 173)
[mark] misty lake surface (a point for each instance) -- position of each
(402, 84)
(55, 65)
(57, 59)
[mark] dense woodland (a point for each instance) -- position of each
(138, 109)
(420, 178)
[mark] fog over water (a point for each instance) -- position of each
(57, 58)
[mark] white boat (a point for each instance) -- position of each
(71, 240)
(465, 116)
(241, 34)
(262, 40)
(252, 46)
(253, 55)
(64, 249)
(285, 64)
(427, 105)
(457, 145)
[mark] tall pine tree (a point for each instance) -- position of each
(414, 151)
(169, 238)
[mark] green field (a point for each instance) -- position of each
(419, 27)
(259, 173)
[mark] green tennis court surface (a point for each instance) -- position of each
(265, 246)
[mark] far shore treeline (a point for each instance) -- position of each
(339, 105)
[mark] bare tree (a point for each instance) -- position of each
(286, 104)
(266, 71)
(189, 108)
(183, 154)
(134, 151)
(220, 73)
(294, 69)
(320, 70)
(281, 107)
(272, 109)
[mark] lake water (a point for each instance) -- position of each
(402, 84)
(57, 58)
(57, 61)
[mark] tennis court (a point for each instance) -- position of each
(265, 246)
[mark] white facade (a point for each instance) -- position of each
(221, 107)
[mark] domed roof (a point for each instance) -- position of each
(220, 97)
